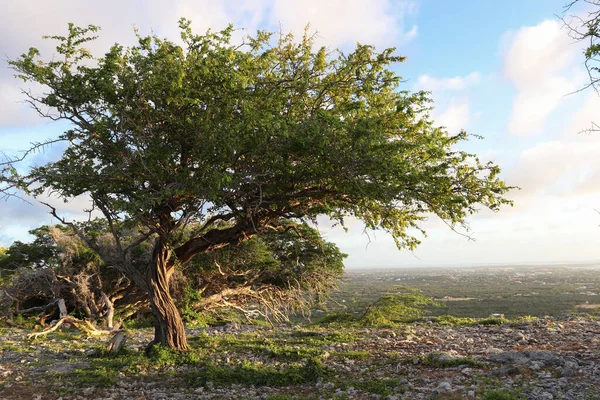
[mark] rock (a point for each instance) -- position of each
(494, 350)
(504, 370)
(567, 372)
(513, 357)
(547, 357)
(444, 387)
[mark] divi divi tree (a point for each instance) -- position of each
(237, 140)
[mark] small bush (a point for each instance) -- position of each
(395, 308)
(339, 318)
(442, 361)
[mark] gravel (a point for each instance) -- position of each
(543, 359)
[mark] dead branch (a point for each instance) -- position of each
(84, 326)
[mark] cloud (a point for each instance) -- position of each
(344, 22)
(457, 83)
(563, 168)
(456, 116)
(455, 112)
(539, 60)
(586, 118)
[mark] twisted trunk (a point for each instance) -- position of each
(169, 330)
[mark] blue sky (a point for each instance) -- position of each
(500, 69)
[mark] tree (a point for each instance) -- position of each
(57, 265)
(587, 29)
(240, 140)
(275, 272)
(37, 254)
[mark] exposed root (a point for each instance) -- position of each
(84, 326)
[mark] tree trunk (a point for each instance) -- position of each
(62, 308)
(110, 311)
(169, 330)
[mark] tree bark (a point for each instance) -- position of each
(110, 311)
(169, 330)
(62, 308)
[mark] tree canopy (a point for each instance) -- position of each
(240, 140)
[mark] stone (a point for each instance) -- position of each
(444, 387)
(512, 357)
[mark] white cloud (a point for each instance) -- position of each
(344, 22)
(433, 84)
(12, 110)
(565, 168)
(540, 62)
(586, 117)
(456, 116)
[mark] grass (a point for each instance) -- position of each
(255, 374)
(438, 360)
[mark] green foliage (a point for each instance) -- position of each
(339, 318)
(382, 387)
(403, 306)
(297, 264)
(450, 320)
(257, 374)
(40, 253)
(441, 361)
(138, 323)
(395, 308)
(103, 377)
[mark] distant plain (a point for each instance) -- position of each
(478, 292)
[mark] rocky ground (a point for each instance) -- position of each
(535, 359)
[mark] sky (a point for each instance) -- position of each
(505, 70)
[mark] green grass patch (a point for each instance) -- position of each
(101, 376)
(382, 387)
(256, 374)
(438, 360)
